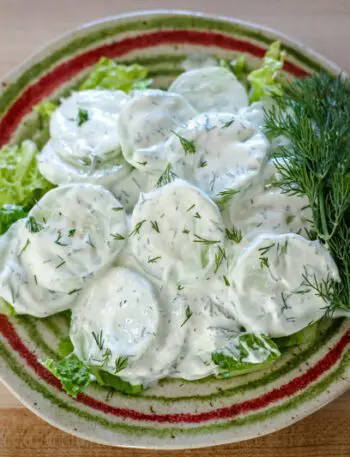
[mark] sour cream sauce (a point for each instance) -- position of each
(186, 271)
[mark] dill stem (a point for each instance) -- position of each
(323, 217)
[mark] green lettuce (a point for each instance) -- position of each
(109, 380)
(65, 347)
(6, 308)
(264, 81)
(74, 375)
(307, 335)
(20, 180)
(237, 66)
(44, 111)
(9, 214)
(107, 74)
(245, 353)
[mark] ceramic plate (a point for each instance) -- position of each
(175, 414)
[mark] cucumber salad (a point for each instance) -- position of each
(189, 232)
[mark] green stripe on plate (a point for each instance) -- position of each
(262, 416)
(156, 23)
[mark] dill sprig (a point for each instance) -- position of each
(121, 363)
(154, 259)
(264, 262)
(188, 314)
(99, 340)
(225, 196)
(33, 225)
(83, 116)
(199, 239)
(265, 249)
(117, 236)
(187, 145)
(315, 118)
(166, 177)
(155, 226)
(59, 238)
(106, 357)
(137, 228)
(220, 256)
(234, 234)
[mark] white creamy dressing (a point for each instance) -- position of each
(85, 144)
(211, 89)
(229, 152)
(19, 286)
(146, 122)
(270, 289)
(177, 232)
(75, 234)
(179, 278)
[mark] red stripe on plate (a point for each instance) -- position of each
(34, 93)
(291, 388)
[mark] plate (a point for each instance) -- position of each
(176, 413)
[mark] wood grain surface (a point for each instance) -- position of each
(324, 25)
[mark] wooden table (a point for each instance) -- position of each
(324, 25)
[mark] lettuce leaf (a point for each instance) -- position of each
(6, 308)
(264, 81)
(74, 375)
(20, 180)
(65, 347)
(44, 111)
(245, 353)
(107, 379)
(308, 335)
(9, 214)
(107, 74)
(237, 66)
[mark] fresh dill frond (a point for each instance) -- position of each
(265, 249)
(154, 259)
(33, 225)
(99, 340)
(187, 145)
(106, 357)
(234, 234)
(188, 314)
(61, 264)
(74, 291)
(83, 116)
(137, 228)
(314, 117)
(58, 239)
(227, 124)
(199, 239)
(220, 256)
(226, 281)
(27, 243)
(121, 363)
(166, 177)
(203, 164)
(71, 232)
(190, 207)
(225, 196)
(117, 236)
(197, 215)
(264, 262)
(155, 226)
